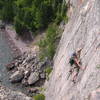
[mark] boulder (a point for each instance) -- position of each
(33, 90)
(28, 69)
(16, 77)
(42, 75)
(10, 65)
(27, 74)
(33, 78)
(24, 82)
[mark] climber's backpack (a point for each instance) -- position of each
(71, 60)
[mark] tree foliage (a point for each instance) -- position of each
(39, 97)
(32, 15)
(48, 44)
(7, 10)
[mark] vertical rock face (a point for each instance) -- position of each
(82, 30)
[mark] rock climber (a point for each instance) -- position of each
(76, 64)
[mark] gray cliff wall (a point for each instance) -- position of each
(82, 30)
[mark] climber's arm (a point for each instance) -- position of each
(78, 63)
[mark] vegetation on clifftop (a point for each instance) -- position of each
(32, 15)
(7, 10)
(39, 97)
(48, 43)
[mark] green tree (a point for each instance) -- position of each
(32, 15)
(7, 10)
(48, 44)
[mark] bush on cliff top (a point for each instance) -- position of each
(48, 70)
(7, 10)
(48, 44)
(39, 97)
(32, 15)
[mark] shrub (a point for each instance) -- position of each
(34, 15)
(47, 45)
(50, 51)
(98, 66)
(18, 26)
(7, 10)
(39, 97)
(58, 19)
(48, 70)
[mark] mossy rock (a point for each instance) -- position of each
(39, 97)
(48, 70)
(98, 66)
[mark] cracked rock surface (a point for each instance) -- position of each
(82, 31)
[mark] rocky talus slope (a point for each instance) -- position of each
(7, 94)
(27, 69)
(82, 31)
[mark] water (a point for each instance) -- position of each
(5, 58)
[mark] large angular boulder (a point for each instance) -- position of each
(10, 65)
(16, 77)
(33, 78)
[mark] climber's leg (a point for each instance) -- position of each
(74, 77)
(75, 74)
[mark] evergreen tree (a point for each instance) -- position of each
(7, 10)
(32, 15)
